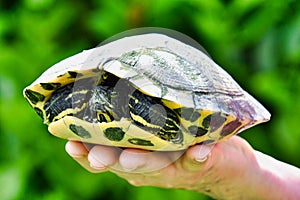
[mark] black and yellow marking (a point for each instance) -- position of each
(104, 117)
(152, 115)
(74, 74)
(140, 121)
(50, 86)
(114, 99)
(99, 105)
(213, 121)
(197, 131)
(66, 100)
(189, 114)
(39, 112)
(108, 79)
(104, 104)
(173, 136)
(80, 131)
(33, 96)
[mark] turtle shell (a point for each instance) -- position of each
(198, 101)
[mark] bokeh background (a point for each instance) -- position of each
(257, 42)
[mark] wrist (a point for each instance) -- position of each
(282, 181)
(239, 172)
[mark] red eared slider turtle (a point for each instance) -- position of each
(147, 91)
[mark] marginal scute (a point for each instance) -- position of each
(188, 114)
(230, 127)
(197, 131)
(33, 96)
(213, 121)
(50, 86)
(74, 74)
(80, 131)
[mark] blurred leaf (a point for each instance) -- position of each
(291, 40)
(9, 182)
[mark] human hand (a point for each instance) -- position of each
(225, 172)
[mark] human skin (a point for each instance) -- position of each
(230, 169)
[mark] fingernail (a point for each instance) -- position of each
(94, 163)
(203, 153)
(97, 167)
(201, 159)
(77, 155)
(129, 169)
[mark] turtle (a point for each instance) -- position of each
(147, 91)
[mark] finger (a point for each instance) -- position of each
(83, 161)
(141, 161)
(76, 149)
(79, 152)
(201, 152)
(101, 157)
(130, 159)
(196, 156)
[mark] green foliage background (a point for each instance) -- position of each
(257, 42)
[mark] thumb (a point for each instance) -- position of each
(196, 156)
